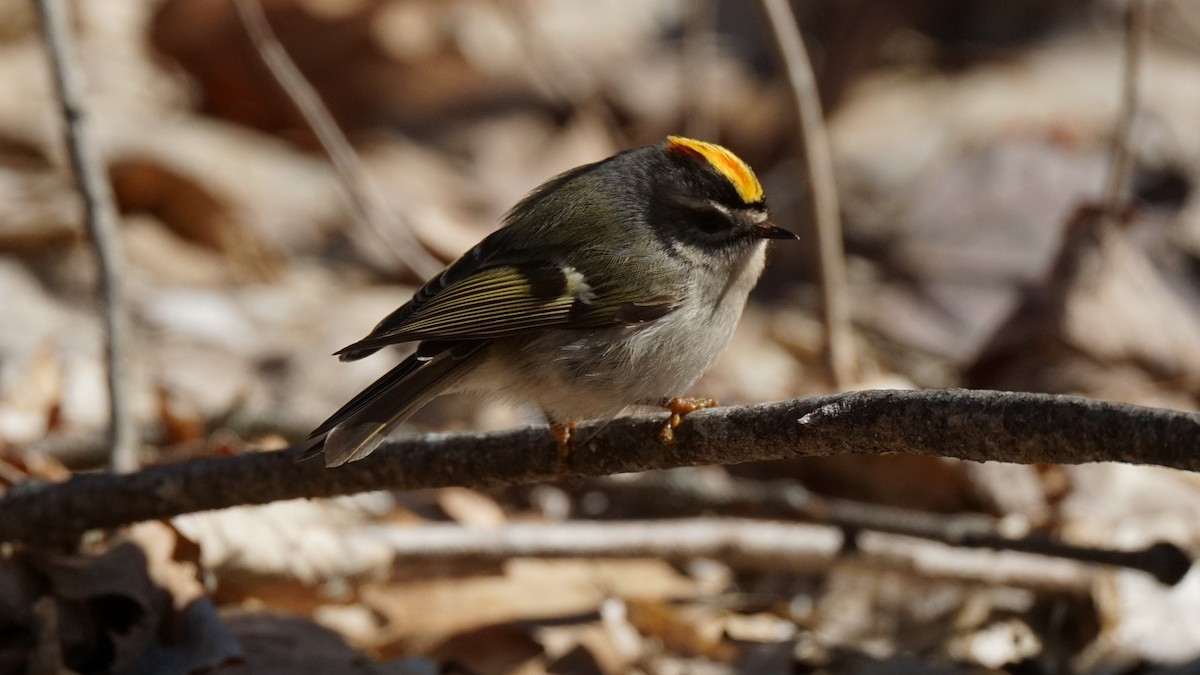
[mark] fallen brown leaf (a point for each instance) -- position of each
(677, 632)
(419, 612)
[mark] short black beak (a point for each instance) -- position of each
(768, 230)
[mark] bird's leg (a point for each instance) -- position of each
(678, 407)
(562, 433)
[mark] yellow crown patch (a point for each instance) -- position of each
(729, 165)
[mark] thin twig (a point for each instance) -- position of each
(100, 218)
(1136, 31)
(555, 73)
(743, 544)
(1164, 561)
(839, 338)
(971, 425)
(367, 205)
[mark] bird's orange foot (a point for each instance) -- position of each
(679, 407)
(563, 433)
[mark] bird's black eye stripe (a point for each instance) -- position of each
(710, 220)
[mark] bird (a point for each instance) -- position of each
(613, 284)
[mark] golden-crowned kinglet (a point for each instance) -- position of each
(613, 284)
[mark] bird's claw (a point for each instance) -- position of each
(680, 407)
(563, 433)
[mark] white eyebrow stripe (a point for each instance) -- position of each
(756, 215)
(720, 207)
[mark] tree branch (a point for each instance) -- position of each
(971, 425)
(743, 544)
(100, 220)
(1164, 561)
(1116, 185)
(839, 338)
(368, 206)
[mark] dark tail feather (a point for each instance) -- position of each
(315, 445)
(308, 449)
(361, 425)
(369, 395)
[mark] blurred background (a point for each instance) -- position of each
(971, 142)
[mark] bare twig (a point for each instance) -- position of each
(743, 544)
(933, 560)
(555, 73)
(1164, 561)
(972, 425)
(1136, 30)
(839, 338)
(100, 217)
(368, 206)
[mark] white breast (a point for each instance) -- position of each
(576, 374)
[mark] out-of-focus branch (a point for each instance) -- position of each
(555, 72)
(1164, 561)
(741, 543)
(1136, 31)
(367, 205)
(100, 219)
(839, 338)
(972, 425)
